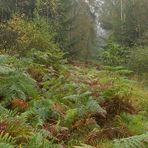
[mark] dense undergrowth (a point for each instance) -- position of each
(76, 105)
(47, 102)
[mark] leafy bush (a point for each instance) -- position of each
(31, 39)
(114, 55)
(139, 60)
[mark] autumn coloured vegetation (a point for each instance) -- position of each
(54, 93)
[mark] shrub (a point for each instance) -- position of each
(30, 39)
(139, 60)
(114, 55)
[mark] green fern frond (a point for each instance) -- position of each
(6, 113)
(6, 59)
(17, 128)
(6, 145)
(38, 141)
(84, 103)
(15, 84)
(84, 146)
(71, 115)
(138, 141)
(39, 111)
(6, 139)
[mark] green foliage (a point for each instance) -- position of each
(46, 102)
(83, 146)
(126, 19)
(4, 145)
(31, 34)
(71, 116)
(47, 58)
(39, 112)
(6, 8)
(14, 82)
(9, 7)
(114, 55)
(119, 70)
(139, 60)
(121, 85)
(137, 124)
(79, 105)
(32, 39)
(84, 103)
(132, 142)
(6, 141)
(38, 141)
(16, 128)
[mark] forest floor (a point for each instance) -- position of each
(82, 104)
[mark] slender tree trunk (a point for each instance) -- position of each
(121, 10)
(47, 13)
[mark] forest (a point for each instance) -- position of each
(73, 73)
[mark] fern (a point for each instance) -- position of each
(39, 111)
(118, 70)
(6, 141)
(6, 113)
(84, 146)
(71, 115)
(82, 104)
(17, 128)
(138, 141)
(6, 145)
(85, 103)
(14, 83)
(38, 141)
(18, 85)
